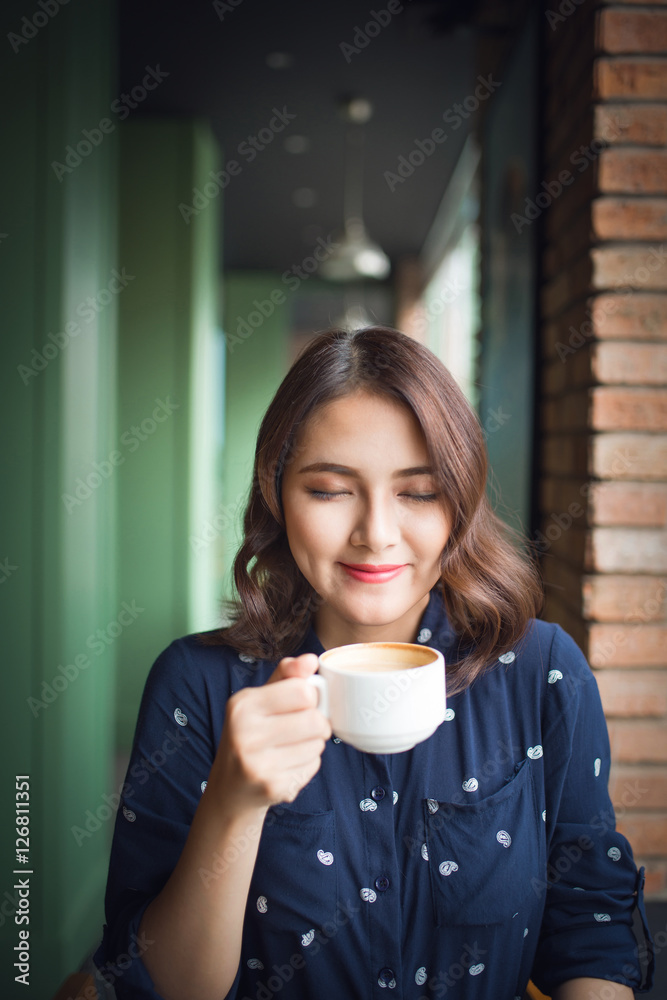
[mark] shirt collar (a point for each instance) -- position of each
(434, 620)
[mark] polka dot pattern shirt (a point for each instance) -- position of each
(485, 856)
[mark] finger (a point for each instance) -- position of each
(289, 695)
(293, 694)
(287, 759)
(292, 769)
(294, 666)
(295, 728)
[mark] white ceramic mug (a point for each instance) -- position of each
(382, 697)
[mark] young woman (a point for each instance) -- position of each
(260, 856)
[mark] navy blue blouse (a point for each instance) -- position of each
(485, 856)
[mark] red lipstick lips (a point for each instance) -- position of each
(371, 573)
(372, 568)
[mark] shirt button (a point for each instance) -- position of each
(386, 977)
(378, 793)
(382, 883)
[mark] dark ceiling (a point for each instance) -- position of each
(420, 63)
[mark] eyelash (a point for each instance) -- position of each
(419, 497)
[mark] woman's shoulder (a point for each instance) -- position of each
(195, 660)
(548, 657)
(549, 639)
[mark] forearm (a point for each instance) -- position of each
(195, 923)
(592, 989)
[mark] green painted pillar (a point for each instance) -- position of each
(60, 299)
(256, 364)
(170, 394)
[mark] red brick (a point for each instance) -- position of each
(608, 597)
(644, 78)
(627, 550)
(621, 645)
(629, 218)
(628, 456)
(638, 504)
(631, 409)
(640, 267)
(624, 316)
(641, 124)
(634, 693)
(646, 833)
(631, 31)
(641, 787)
(635, 742)
(655, 886)
(632, 171)
(629, 364)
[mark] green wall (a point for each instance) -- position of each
(256, 364)
(509, 281)
(169, 409)
(58, 412)
(110, 304)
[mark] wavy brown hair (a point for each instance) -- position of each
(490, 590)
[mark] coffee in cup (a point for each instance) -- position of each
(382, 697)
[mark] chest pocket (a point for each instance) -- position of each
(294, 887)
(483, 855)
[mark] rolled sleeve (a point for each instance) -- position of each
(592, 885)
(172, 754)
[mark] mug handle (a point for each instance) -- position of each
(322, 692)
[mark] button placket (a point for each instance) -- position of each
(381, 801)
(387, 978)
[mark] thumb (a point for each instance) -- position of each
(294, 666)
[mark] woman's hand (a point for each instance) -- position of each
(272, 740)
(592, 989)
(271, 746)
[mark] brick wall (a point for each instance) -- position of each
(603, 445)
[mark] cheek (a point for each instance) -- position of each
(313, 529)
(430, 534)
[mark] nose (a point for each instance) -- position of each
(377, 527)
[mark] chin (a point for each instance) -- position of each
(375, 616)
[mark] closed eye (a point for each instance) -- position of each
(423, 497)
(419, 497)
(321, 495)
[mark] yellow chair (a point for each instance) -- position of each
(533, 993)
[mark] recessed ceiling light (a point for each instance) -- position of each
(357, 110)
(279, 60)
(296, 144)
(304, 197)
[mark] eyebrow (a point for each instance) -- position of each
(344, 470)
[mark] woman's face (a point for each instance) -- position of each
(359, 494)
